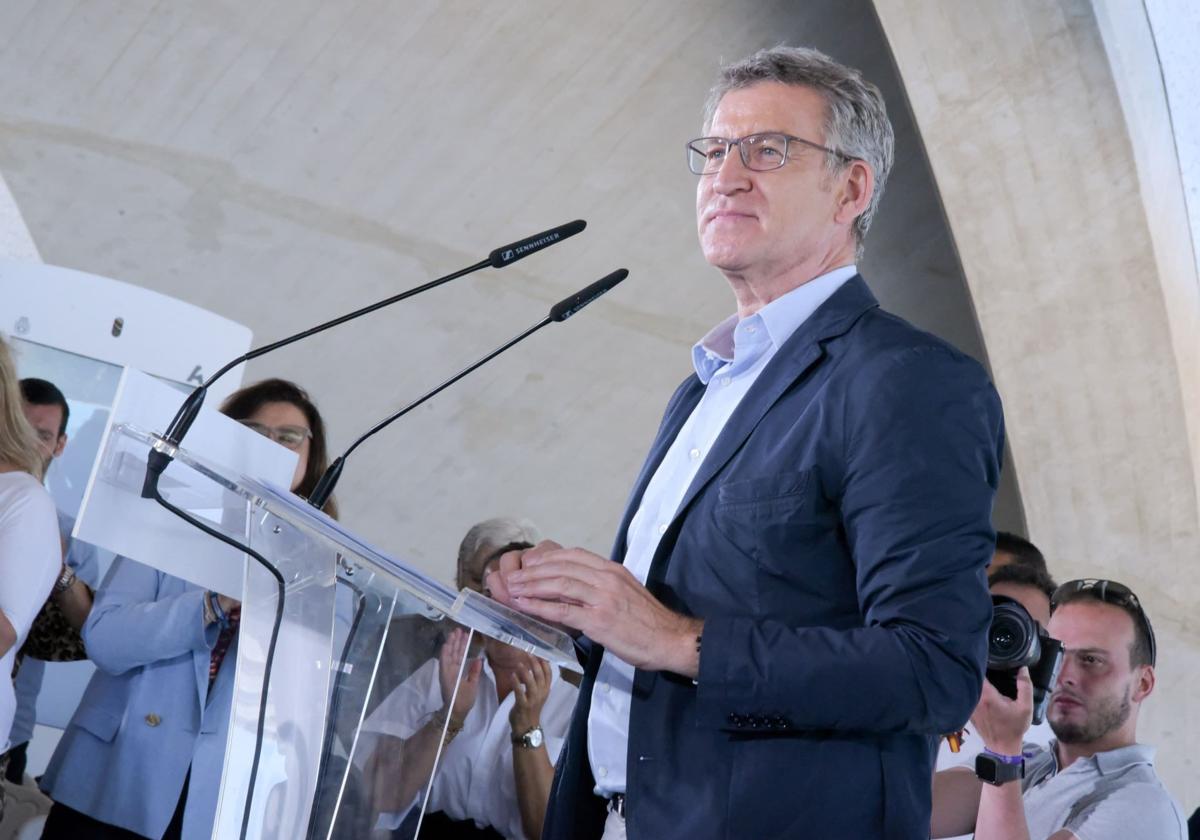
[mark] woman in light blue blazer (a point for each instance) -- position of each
(142, 756)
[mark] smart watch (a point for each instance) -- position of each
(531, 740)
(998, 769)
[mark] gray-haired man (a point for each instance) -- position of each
(798, 605)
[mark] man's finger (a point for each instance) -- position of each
(599, 576)
(571, 555)
(561, 612)
(558, 588)
(495, 587)
(532, 554)
(1024, 688)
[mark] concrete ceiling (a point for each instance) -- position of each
(281, 162)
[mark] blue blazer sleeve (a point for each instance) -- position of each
(922, 434)
(139, 618)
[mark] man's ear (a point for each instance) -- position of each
(857, 187)
(60, 446)
(1143, 683)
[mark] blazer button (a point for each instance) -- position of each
(153, 719)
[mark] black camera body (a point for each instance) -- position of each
(1016, 641)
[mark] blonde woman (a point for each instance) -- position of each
(30, 551)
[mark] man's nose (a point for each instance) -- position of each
(733, 174)
(1066, 673)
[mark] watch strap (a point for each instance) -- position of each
(528, 739)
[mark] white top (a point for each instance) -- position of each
(475, 775)
(30, 559)
(728, 360)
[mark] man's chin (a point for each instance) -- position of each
(1068, 733)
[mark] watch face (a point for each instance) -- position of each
(534, 738)
(995, 772)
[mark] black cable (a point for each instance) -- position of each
(262, 703)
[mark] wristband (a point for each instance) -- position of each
(441, 721)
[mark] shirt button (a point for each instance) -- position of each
(604, 687)
(751, 330)
(603, 772)
(153, 719)
(724, 380)
(694, 454)
(662, 529)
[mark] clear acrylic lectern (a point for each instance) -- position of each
(353, 623)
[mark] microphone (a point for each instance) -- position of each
(186, 415)
(561, 311)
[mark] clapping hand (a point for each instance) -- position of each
(449, 662)
(529, 696)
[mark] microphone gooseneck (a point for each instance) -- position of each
(559, 312)
(158, 460)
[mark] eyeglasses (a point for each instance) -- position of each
(1110, 592)
(290, 436)
(760, 152)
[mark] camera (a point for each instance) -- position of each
(1015, 640)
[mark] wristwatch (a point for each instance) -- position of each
(531, 740)
(66, 580)
(997, 769)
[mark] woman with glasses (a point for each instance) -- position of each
(142, 755)
(30, 552)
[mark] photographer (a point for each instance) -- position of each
(1094, 782)
(1030, 586)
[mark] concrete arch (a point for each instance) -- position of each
(1067, 213)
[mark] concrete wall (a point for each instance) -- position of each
(282, 162)
(1084, 302)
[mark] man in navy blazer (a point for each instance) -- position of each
(798, 606)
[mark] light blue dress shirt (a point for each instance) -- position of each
(727, 360)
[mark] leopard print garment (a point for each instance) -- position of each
(52, 638)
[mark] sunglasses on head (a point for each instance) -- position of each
(1110, 592)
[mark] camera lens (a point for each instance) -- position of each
(1012, 638)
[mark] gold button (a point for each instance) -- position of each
(153, 719)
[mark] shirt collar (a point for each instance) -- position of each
(1112, 761)
(724, 343)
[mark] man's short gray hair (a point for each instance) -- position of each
(856, 121)
(492, 533)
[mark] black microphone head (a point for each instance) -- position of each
(567, 307)
(509, 254)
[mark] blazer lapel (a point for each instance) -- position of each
(683, 402)
(798, 355)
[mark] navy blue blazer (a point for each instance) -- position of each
(834, 542)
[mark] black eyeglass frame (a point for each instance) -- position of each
(690, 147)
(1110, 592)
